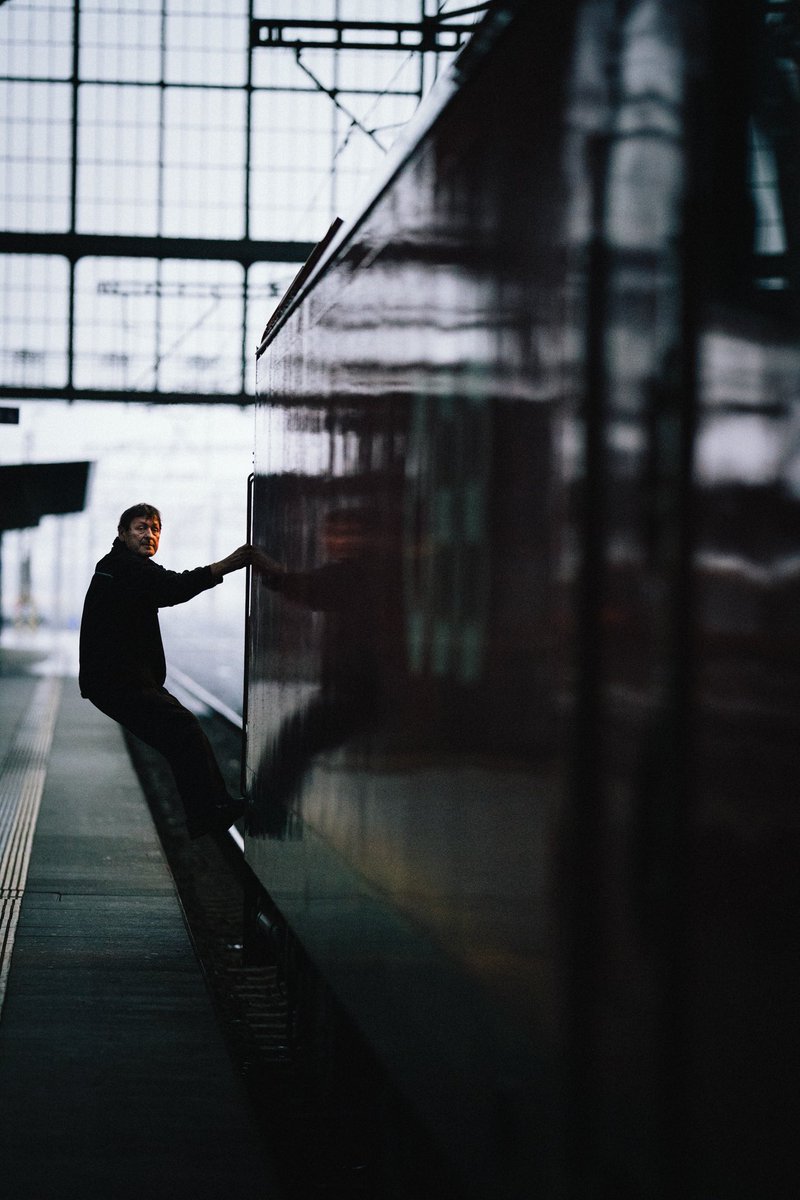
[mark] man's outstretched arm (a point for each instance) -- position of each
(241, 557)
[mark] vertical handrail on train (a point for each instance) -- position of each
(248, 576)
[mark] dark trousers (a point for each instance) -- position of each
(158, 719)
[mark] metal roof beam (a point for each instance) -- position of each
(432, 33)
(123, 395)
(74, 246)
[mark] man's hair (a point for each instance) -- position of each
(139, 510)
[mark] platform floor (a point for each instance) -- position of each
(114, 1078)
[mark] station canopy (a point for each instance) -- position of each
(30, 491)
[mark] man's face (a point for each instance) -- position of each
(142, 536)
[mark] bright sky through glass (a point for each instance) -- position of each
(162, 150)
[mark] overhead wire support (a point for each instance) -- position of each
(431, 33)
(333, 94)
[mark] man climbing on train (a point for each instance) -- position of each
(122, 664)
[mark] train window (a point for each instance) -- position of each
(770, 235)
(773, 173)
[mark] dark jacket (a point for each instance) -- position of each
(120, 642)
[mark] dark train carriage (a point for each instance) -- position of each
(523, 713)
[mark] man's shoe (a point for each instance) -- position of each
(218, 819)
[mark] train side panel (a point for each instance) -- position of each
(502, 704)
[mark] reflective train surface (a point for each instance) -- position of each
(523, 709)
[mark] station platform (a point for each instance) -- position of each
(114, 1077)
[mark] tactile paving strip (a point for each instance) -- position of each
(21, 784)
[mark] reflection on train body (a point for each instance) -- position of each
(523, 711)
